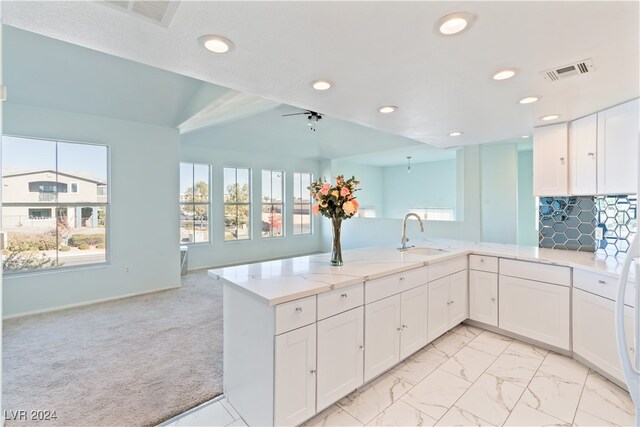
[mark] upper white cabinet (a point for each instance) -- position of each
(583, 148)
(551, 160)
(340, 356)
(618, 129)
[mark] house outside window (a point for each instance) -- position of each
(302, 219)
(195, 182)
(272, 203)
(47, 225)
(237, 204)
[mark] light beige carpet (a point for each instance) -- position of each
(136, 361)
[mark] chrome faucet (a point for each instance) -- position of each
(405, 239)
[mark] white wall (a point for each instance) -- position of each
(143, 217)
(218, 252)
(371, 191)
(499, 178)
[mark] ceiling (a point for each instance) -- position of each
(379, 53)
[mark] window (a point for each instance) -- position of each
(237, 204)
(49, 223)
(435, 214)
(195, 180)
(272, 203)
(301, 203)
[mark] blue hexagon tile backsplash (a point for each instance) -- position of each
(570, 223)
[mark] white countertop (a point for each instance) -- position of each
(288, 279)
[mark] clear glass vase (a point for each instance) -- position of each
(336, 247)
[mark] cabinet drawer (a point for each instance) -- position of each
(483, 263)
(295, 314)
(339, 300)
(383, 287)
(604, 286)
(536, 271)
(447, 268)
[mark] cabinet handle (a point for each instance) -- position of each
(362, 347)
(602, 282)
(343, 295)
(313, 372)
(591, 154)
(299, 309)
(404, 326)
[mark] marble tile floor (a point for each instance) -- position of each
(468, 377)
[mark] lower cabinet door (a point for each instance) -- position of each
(536, 310)
(414, 321)
(438, 313)
(340, 356)
(381, 336)
(483, 297)
(295, 376)
(459, 297)
(594, 332)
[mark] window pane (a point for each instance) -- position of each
(201, 223)
(85, 165)
(301, 219)
(187, 232)
(31, 238)
(29, 171)
(201, 183)
(244, 222)
(297, 188)
(243, 185)
(272, 220)
(306, 182)
(81, 234)
(229, 185)
(231, 222)
(186, 182)
(266, 187)
(277, 178)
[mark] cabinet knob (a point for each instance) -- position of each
(481, 259)
(591, 154)
(404, 326)
(602, 282)
(632, 350)
(313, 372)
(452, 302)
(493, 299)
(398, 329)
(448, 302)
(362, 347)
(299, 309)
(402, 279)
(343, 295)
(562, 159)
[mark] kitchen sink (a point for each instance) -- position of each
(424, 251)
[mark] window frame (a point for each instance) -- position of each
(272, 204)
(208, 203)
(249, 204)
(294, 204)
(55, 206)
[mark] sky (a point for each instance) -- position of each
(37, 154)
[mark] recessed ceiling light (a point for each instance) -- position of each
(524, 136)
(321, 85)
(456, 133)
(550, 117)
(216, 44)
(454, 23)
(505, 74)
(528, 100)
(386, 109)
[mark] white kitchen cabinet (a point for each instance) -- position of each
(295, 376)
(618, 129)
(340, 356)
(551, 160)
(448, 303)
(414, 321)
(583, 148)
(483, 297)
(535, 310)
(594, 332)
(381, 336)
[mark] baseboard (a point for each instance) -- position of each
(85, 303)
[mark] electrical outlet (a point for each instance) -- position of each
(599, 233)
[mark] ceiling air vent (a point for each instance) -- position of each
(156, 11)
(566, 71)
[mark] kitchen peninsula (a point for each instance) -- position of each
(300, 334)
